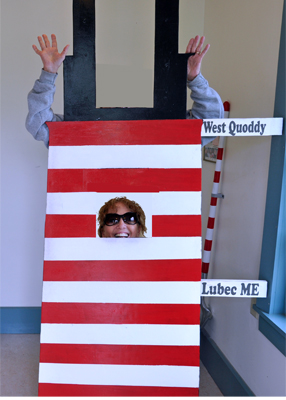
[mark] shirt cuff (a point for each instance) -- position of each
(199, 80)
(48, 77)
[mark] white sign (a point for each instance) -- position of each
(233, 288)
(242, 127)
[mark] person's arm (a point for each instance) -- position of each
(40, 100)
(41, 97)
(207, 102)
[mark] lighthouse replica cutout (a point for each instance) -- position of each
(122, 317)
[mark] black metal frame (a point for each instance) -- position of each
(170, 72)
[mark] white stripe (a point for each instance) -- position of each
(209, 234)
(129, 375)
(89, 203)
(176, 203)
(72, 203)
(206, 256)
(218, 165)
(121, 334)
(215, 187)
(140, 156)
(165, 248)
(212, 211)
(122, 292)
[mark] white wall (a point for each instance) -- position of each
(243, 71)
(24, 160)
(125, 48)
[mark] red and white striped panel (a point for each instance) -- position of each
(122, 317)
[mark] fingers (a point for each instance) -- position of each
(195, 45)
(36, 50)
(200, 45)
(41, 42)
(188, 49)
(54, 41)
(65, 50)
(46, 40)
(192, 45)
(205, 50)
(45, 43)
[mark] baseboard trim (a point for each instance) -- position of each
(20, 319)
(225, 376)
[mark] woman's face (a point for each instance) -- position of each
(120, 230)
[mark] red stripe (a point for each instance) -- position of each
(226, 106)
(53, 389)
(115, 313)
(213, 201)
(176, 225)
(216, 176)
(219, 153)
(211, 222)
(208, 245)
(125, 132)
(120, 354)
(126, 270)
(58, 225)
(205, 267)
(124, 180)
(70, 226)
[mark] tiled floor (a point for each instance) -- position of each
(20, 363)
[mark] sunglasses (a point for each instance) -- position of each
(129, 218)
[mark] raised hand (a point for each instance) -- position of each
(49, 54)
(195, 45)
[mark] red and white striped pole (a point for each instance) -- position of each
(215, 195)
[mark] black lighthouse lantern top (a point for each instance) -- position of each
(170, 70)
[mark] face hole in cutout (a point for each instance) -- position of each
(121, 217)
(125, 31)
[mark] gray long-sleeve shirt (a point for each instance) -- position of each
(207, 104)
